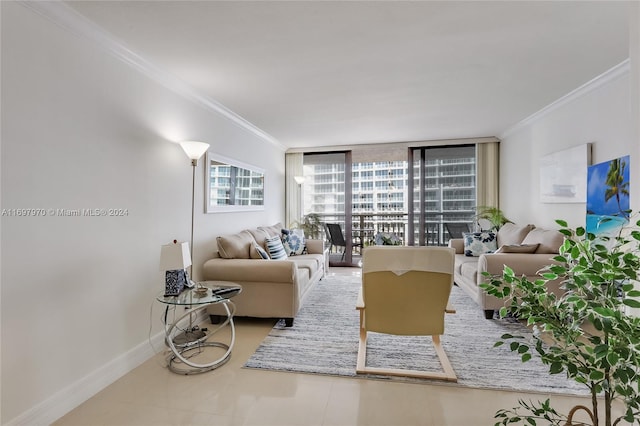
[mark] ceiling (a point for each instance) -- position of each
(318, 73)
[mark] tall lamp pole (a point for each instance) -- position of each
(194, 151)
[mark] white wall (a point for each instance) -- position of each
(605, 112)
(599, 114)
(83, 129)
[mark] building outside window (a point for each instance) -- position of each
(379, 195)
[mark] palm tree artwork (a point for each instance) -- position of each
(608, 196)
(616, 183)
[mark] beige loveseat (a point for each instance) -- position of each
(270, 288)
(525, 249)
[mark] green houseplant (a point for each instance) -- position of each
(493, 215)
(587, 333)
(311, 225)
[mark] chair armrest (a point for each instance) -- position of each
(521, 263)
(314, 246)
(457, 244)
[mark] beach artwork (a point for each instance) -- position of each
(608, 196)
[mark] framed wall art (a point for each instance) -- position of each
(232, 186)
(563, 175)
(608, 196)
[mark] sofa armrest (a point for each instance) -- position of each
(457, 244)
(314, 246)
(521, 263)
(239, 270)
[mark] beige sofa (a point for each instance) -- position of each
(270, 288)
(525, 249)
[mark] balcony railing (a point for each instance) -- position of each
(365, 226)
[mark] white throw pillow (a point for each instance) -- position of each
(293, 241)
(275, 248)
(477, 243)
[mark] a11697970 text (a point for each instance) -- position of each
(58, 212)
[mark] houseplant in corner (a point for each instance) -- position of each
(493, 215)
(587, 333)
(311, 225)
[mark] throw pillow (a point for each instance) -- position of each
(477, 243)
(518, 248)
(272, 230)
(260, 253)
(293, 241)
(275, 248)
(235, 246)
(549, 240)
(510, 233)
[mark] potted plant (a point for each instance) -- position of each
(587, 333)
(493, 215)
(311, 225)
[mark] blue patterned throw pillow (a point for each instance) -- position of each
(477, 243)
(293, 241)
(275, 248)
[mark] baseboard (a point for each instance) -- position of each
(64, 401)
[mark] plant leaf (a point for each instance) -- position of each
(632, 303)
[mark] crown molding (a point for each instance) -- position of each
(614, 73)
(68, 18)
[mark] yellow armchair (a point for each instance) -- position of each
(405, 291)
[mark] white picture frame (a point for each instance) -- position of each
(232, 186)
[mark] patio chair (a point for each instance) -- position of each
(405, 291)
(456, 229)
(336, 238)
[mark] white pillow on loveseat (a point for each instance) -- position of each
(477, 243)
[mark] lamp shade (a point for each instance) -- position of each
(299, 179)
(174, 256)
(193, 149)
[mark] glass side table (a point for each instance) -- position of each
(187, 342)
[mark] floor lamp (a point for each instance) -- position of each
(194, 151)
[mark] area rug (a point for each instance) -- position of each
(324, 340)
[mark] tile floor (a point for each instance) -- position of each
(231, 395)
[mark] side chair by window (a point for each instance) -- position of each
(455, 230)
(336, 238)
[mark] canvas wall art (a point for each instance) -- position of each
(563, 175)
(608, 196)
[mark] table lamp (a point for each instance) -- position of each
(174, 259)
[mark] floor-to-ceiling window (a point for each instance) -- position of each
(412, 193)
(327, 193)
(443, 192)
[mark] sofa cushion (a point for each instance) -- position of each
(549, 240)
(306, 263)
(272, 231)
(317, 258)
(461, 259)
(518, 248)
(260, 236)
(469, 270)
(275, 248)
(510, 233)
(477, 243)
(235, 246)
(293, 241)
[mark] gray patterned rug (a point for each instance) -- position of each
(324, 340)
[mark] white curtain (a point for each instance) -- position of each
(293, 191)
(488, 174)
